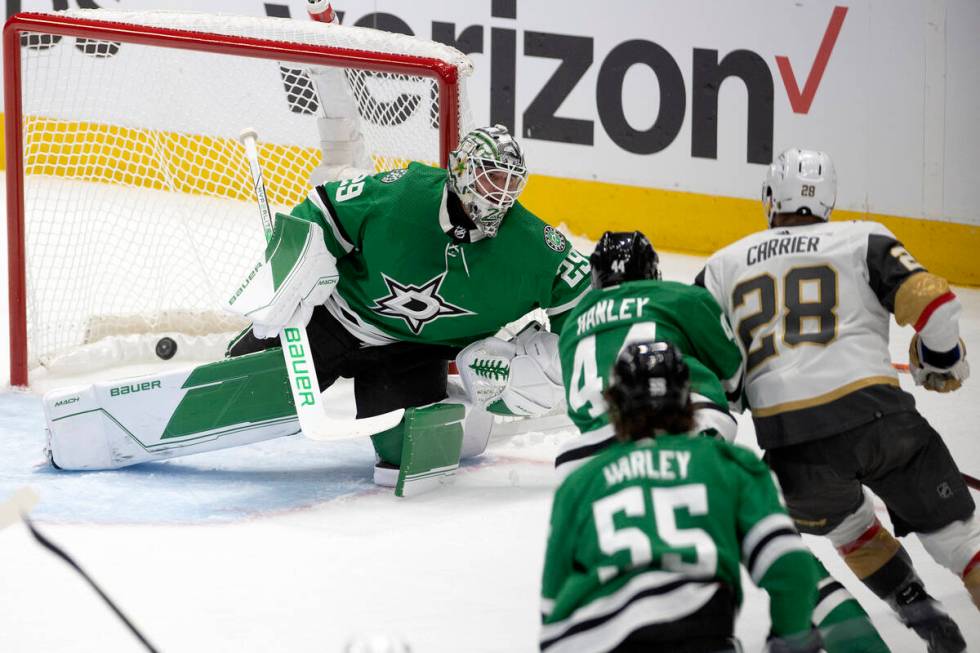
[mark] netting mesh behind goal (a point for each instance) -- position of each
(139, 211)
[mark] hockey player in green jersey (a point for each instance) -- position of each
(646, 537)
(393, 273)
(630, 302)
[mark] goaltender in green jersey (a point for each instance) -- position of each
(646, 537)
(393, 274)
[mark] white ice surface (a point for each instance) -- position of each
(287, 545)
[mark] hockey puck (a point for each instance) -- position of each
(166, 348)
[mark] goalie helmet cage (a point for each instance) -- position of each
(129, 202)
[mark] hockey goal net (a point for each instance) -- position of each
(130, 205)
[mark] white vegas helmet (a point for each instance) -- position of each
(487, 172)
(800, 181)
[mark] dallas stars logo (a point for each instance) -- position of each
(417, 305)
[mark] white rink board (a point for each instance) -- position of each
(896, 105)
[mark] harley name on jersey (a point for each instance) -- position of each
(667, 466)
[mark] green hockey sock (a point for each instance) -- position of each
(388, 444)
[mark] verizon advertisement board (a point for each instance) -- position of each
(696, 96)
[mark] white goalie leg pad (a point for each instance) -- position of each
(855, 524)
(115, 424)
(955, 545)
(476, 425)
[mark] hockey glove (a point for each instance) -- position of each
(808, 642)
(296, 275)
(521, 376)
(938, 371)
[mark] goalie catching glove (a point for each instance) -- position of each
(520, 376)
(296, 275)
(938, 371)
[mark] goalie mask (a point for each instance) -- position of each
(649, 376)
(800, 181)
(623, 256)
(487, 173)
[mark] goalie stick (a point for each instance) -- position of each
(313, 420)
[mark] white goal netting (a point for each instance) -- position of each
(139, 215)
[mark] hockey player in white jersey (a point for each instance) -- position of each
(810, 302)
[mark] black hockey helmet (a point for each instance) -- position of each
(623, 256)
(649, 376)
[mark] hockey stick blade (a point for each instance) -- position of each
(542, 424)
(327, 428)
(21, 503)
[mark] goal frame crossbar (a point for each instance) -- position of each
(445, 75)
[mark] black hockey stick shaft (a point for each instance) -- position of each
(55, 549)
(971, 481)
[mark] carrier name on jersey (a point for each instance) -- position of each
(611, 310)
(786, 244)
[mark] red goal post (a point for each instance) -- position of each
(74, 157)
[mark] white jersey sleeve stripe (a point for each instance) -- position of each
(762, 529)
(547, 606)
(654, 597)
(328, 218)
(567, 306)
(829, 603)
(772, 551)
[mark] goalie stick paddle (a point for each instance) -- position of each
(303, 383)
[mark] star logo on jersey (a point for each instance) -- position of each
(417, 305)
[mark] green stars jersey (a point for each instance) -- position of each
(609, 318)
(410, 271)
(647, 532)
